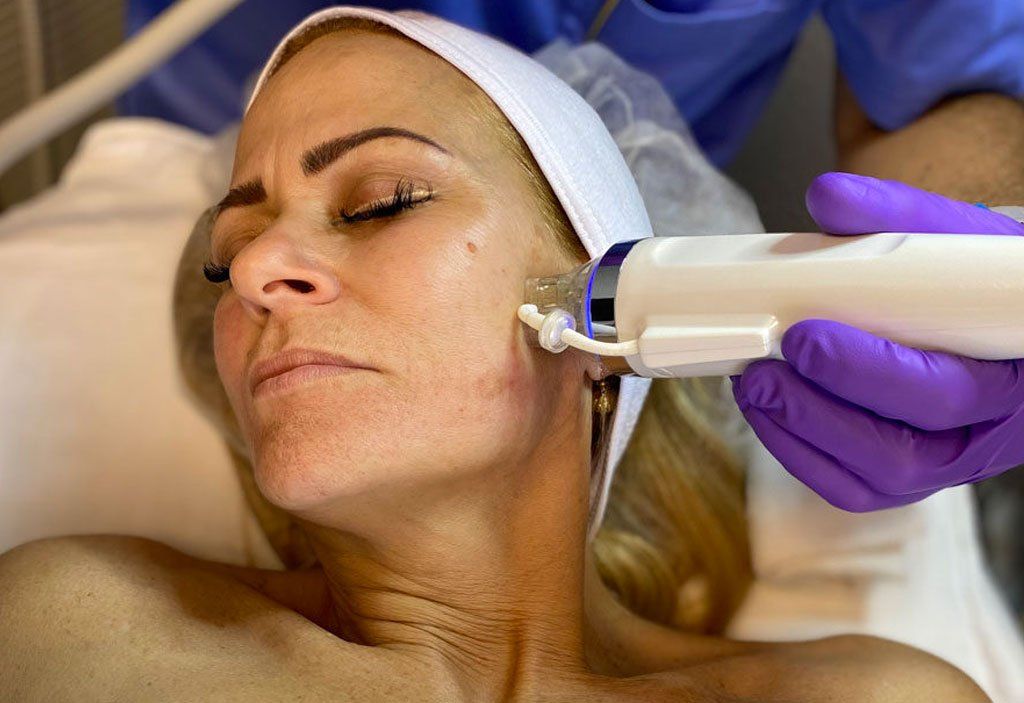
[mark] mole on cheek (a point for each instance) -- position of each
(471, 247)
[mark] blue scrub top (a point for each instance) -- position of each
(718, 59)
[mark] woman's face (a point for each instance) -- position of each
(323, 258)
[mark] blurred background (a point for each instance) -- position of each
(43, 43)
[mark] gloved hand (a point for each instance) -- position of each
(868, 423)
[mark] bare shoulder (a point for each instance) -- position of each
(46, 574)
(88, 575)
(81, 616)
(84, 550)
(55, 595)
(843, 669)
(886, 671)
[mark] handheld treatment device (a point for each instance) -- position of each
(709, 305)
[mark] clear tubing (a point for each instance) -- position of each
(567, 291)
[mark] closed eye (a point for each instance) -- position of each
(405, 197)
(215, 273)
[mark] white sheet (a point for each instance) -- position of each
(914, 574)
(96, 435)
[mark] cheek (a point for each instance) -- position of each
(503, 377)
(470, 286)
(454, 279)
(229, 344)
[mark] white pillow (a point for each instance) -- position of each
(97, 434)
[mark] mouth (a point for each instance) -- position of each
(296, 366)
(299, 376)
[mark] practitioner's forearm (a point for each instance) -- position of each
(970, 147)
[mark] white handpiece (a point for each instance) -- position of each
(709, 305)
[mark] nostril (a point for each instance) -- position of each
(301, 286)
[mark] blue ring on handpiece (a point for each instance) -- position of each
(586, 300)
(611, 259)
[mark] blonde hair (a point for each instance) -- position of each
(673, 545)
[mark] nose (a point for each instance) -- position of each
(278, 270)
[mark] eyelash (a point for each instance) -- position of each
(401, 199)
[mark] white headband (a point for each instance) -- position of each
(573, 148)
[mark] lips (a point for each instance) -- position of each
(292, 358)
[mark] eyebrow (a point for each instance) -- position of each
(249, 193)
(323, 155)
(317, 159)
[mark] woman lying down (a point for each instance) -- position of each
(396, 180)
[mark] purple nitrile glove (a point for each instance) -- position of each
(868, 423)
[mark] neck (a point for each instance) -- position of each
(484, 579)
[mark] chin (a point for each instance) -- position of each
(299, 466)
(293, 489)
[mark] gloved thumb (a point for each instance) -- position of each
(846, 203)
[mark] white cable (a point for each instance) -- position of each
(35, 82)
(558, 318)
(171, 30)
